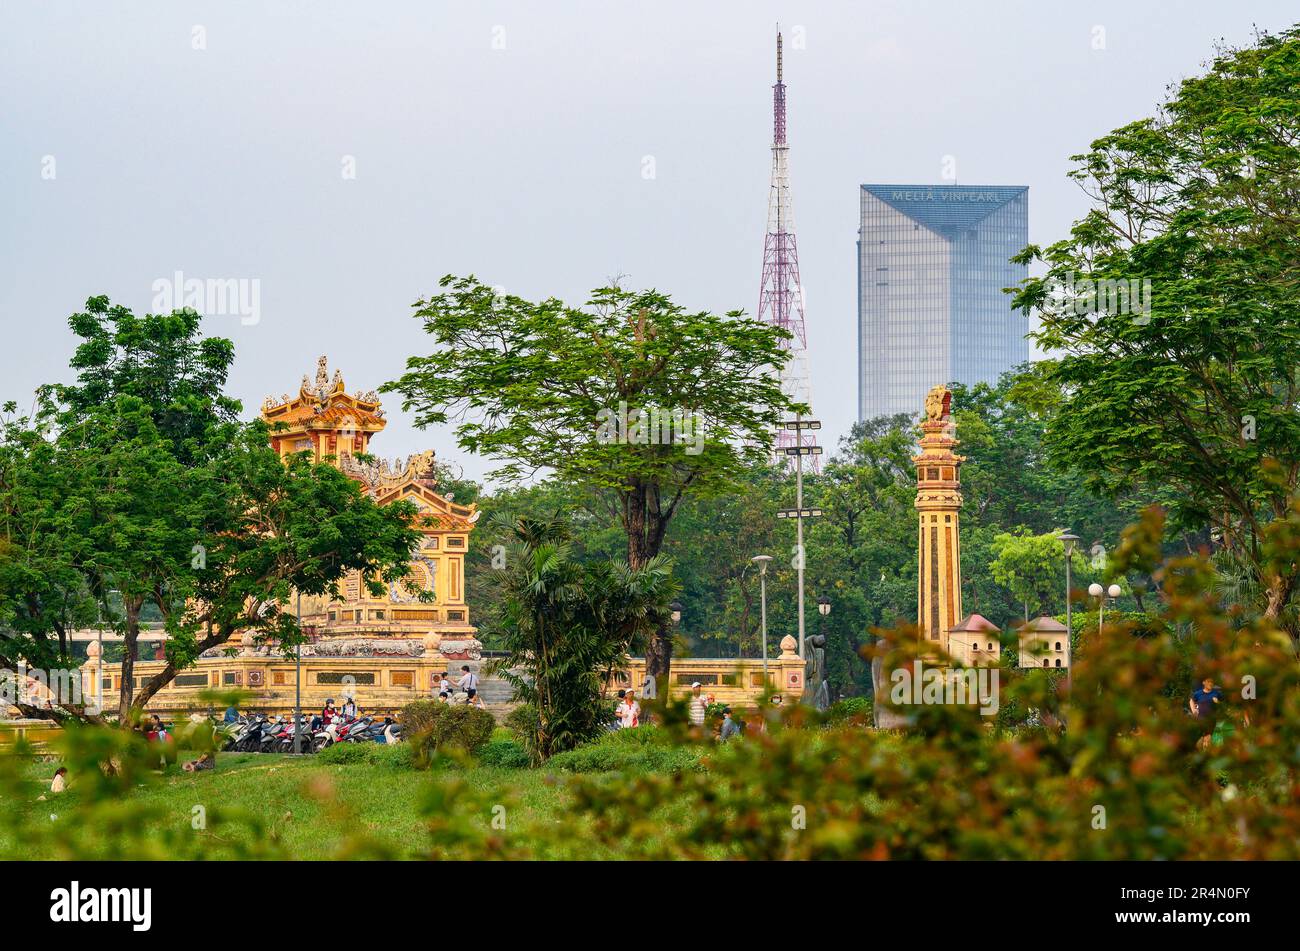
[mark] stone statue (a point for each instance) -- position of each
(817, 691)
(937, 403)
(885, 718)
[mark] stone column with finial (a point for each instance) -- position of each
(938, 503)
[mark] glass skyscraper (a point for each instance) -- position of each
(932, 263)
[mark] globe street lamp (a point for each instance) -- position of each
(761, 561)
(823, 608)
(676, 608)
(1100, 593)
(1068, 542)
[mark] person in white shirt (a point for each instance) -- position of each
(60, 782)
(698, 705)
(443, 686)
(628, 712)
(468, 683)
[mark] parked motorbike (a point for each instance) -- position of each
(250, 737)
(260, 733)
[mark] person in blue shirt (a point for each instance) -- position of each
(232, 715)
(1204, 705)
(730, 727)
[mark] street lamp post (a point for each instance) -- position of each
(761, 561)
(297, 683)
(99, 676)
(799, 513)
(824, 608)
(1100, 593)
(1068, 541)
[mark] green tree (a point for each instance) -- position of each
(1187, 381)
(43, 597)
(542, 385)
(566, 625)
(1032, 568)
(136, 491)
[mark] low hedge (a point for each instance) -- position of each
(639, 749)
(431, 725)
(507, 753)
(522, 722)
(395, 755)
(851, 710)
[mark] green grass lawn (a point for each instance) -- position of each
(311, 810)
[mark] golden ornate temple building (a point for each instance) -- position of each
(335, 426)
(385, 651)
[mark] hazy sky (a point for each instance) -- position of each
(512, 140)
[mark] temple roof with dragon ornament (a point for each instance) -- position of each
(326, 420)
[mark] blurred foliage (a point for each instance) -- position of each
(856, 710)
(100, 814)
(1114, 769)
(1125, 780)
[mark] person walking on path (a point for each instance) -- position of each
(1204, 704)
(468, 683)
(629, 711)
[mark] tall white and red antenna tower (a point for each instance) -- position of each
(781, 297)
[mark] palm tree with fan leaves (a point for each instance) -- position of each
(566, 624)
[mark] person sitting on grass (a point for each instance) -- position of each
(156, 729)
(205, 761)
(60, 781)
